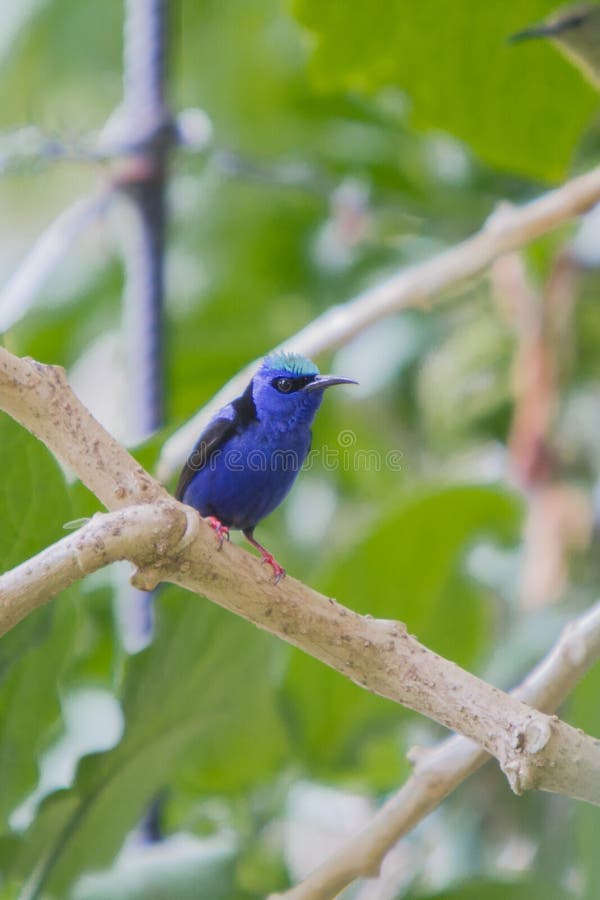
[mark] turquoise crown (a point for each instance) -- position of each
(291, 364)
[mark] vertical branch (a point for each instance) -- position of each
(144, 63)
(147, 131)
(558, 514)
(144, 305)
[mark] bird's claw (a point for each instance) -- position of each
(278, 571)
(220, 530)
(265, 556)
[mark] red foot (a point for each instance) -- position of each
(278, 571)
(266, 557)
(221, 531)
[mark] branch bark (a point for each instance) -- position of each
(507, 229)
(533, 749)
(141, 532)
(39, 397)
(440, 770)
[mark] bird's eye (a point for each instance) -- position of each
(284, 385)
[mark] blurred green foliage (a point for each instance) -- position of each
(337, 160)
(502, 100)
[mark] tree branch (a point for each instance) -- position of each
(534, 750)
(506, 230)
(141, 532)
(439, 770)
(39, 397)
(146, 125)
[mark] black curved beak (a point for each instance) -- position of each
(550, 29)
(538, 31)
(320, 382)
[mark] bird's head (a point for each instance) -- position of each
(575, 29)
(290, 387)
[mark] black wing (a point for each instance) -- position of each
(216, 435)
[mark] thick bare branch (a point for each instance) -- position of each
(440, 770)
(534, 750)
(141, 532)
(39, 397)
(507, 230)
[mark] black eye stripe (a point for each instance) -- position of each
(289, 384)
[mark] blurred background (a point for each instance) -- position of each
(460, 486)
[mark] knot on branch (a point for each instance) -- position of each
(90, 549)
(524, 762)
(192, 527)
(147, 579)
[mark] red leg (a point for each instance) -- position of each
(267, 557)
(221, 531)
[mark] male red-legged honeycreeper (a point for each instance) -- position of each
(245, 462)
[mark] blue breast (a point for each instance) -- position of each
(249, 476)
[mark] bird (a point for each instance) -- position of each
(245, 462)
(575, 29)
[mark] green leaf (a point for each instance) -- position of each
(453, 59)
(34, 504)
(199, 697)
(409, 568)
(29, 703)
(34, 500)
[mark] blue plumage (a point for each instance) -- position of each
(247, 459)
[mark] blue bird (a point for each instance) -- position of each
(245, 462)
